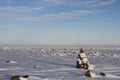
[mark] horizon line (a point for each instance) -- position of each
(59, 45)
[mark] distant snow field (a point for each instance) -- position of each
(58, 63)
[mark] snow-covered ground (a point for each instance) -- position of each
(58, 63)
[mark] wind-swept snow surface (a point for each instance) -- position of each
(58, 63)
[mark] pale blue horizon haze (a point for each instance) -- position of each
(59, 22)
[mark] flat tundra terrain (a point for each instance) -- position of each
(58, 63)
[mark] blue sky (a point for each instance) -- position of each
(59, 22)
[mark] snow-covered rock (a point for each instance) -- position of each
(90, 74)
(11, 61)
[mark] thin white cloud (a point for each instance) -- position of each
(60, 16)
(84, 3)
(24, 13)
(98, 3)
(108, 2)
(74, 13)
(48, 17)
(55, 2)
(20, 9)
